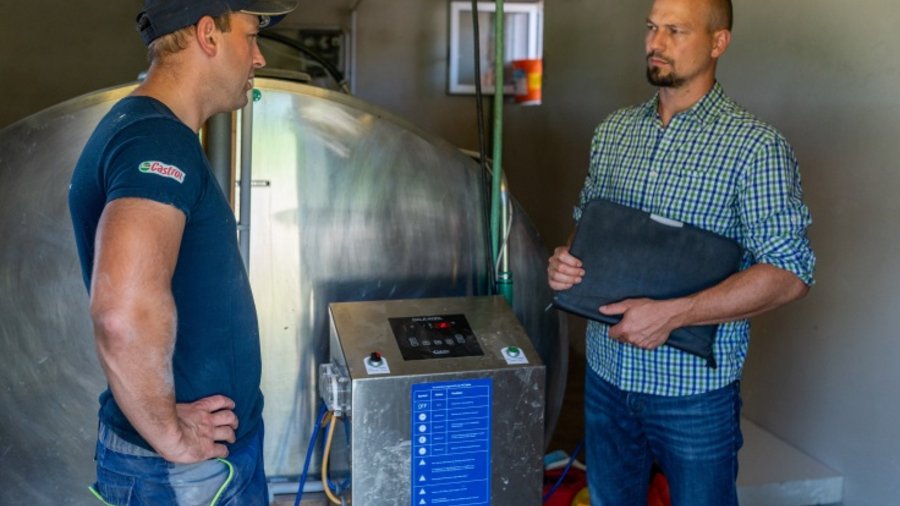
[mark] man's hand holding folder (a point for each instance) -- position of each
(632, 270)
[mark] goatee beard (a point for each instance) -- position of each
(663, 81)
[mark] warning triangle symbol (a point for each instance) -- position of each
(422, 479)
(421, 491)
(422, 462)
(422, 502)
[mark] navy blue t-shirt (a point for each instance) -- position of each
(141, 149)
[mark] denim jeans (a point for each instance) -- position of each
(128, 475)
(694, 439)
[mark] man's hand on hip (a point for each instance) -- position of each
(203, 425)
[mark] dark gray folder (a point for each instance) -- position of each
(627, 253)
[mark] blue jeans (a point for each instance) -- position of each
(128, 475)
(694, 439)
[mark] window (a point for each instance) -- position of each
(523, 34)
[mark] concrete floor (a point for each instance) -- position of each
(309, 499)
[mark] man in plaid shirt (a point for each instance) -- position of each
(693, 155)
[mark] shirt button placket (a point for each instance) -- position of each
(658, 165)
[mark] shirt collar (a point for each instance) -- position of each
(704, 112)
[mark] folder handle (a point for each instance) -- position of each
(666, 221)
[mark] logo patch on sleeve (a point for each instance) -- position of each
(161, 169)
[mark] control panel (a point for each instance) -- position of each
(435, 336)
(426, 431)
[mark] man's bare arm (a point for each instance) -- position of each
(647, 323)
(134, 317)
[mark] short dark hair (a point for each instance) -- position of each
(722, 15)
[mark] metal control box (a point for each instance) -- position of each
(446, 402)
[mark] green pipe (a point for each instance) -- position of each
(503, 277)
(497, 158)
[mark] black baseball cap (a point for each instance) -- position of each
(162, 17)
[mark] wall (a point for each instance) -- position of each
(53, 51)
(822, 372)
(402, 63)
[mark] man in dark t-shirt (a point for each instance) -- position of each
(174, 319)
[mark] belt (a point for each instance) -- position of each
(113, 442)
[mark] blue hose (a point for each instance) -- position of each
(565, 471)
(309, 451)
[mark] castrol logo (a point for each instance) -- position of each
(161, 169)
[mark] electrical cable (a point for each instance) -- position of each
(339, 488)
(565, 472)
(482, 154)
(328, 440)
(497, 143)
(309, 450)
(293, 43)
(506, 230)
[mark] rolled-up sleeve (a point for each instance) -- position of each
(774, 218)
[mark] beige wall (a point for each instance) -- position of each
(824, 372)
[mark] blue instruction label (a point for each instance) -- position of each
(451, 443)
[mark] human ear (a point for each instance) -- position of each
(721, 40)
(207, 34)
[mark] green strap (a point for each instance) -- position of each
(215, 499)
(98, 496)
(224, 485)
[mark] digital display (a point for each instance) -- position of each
(435, 336)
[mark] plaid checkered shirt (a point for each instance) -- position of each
(717, 167)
